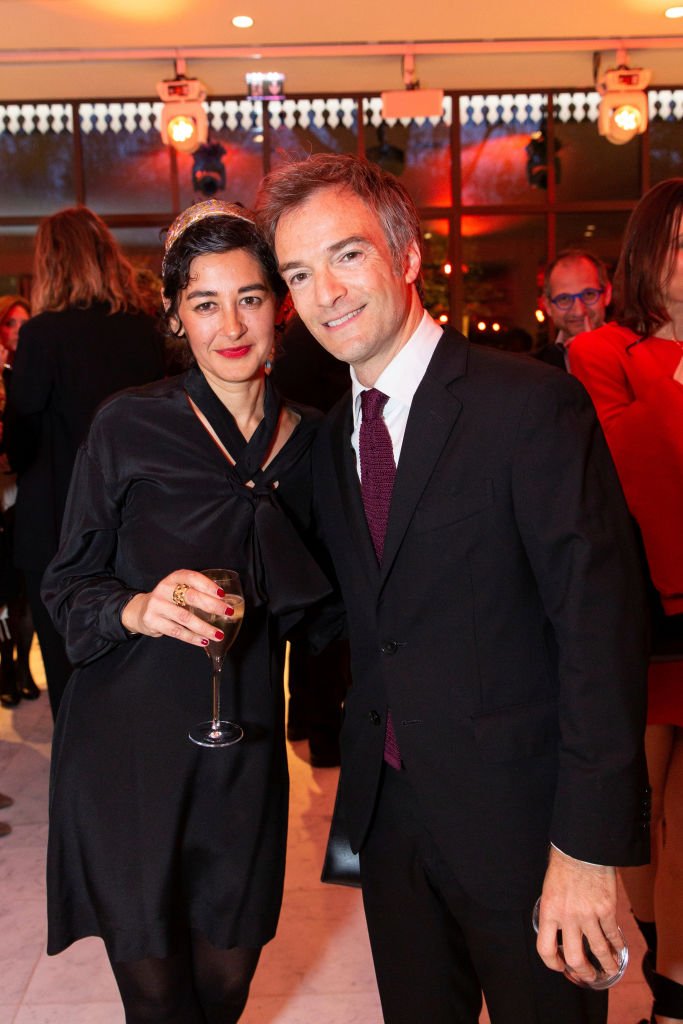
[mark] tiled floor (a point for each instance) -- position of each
(317, 970)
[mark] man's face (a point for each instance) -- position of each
(570, 277)
(336, 261)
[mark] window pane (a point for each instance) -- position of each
(599, 233)
(590, 166)
(302, 127)
(436, 270)
(16, 252)
(237, 127)
(417, 151)
(127, 167)
(144, 247)
(502, 256)
(666, 134)
(495, 132)
(36, 159)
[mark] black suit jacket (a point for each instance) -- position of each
(66, 364)
(505, 627)
(551, 354)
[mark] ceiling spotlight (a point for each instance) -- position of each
(673, 12)
(623, 107)
(242, 21)
(184, 124)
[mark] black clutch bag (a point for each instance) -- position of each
(341, 865)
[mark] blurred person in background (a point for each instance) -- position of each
(576, 293)
(87, 338)
(16, 627)
(14, 311)
(633, 370)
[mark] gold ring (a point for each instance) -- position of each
(179, 592)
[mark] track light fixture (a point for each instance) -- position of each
(623, 107)
(184, 124)
(412, 101)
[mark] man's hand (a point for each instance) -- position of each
(578, 899)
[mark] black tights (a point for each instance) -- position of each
(199, 985)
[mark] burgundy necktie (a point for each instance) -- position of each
(377, 472)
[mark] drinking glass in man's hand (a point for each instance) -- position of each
(602, 979)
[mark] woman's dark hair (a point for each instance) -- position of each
(213, 234)
(647, 259)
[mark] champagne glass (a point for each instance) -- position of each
(602, 979)
(218, 732)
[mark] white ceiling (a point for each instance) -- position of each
(64, 48)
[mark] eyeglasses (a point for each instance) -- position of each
(565, 301)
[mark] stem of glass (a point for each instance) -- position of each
(216, 666)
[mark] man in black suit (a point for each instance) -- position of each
(497, 628)
(576, 294)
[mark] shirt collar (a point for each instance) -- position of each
(402, 377)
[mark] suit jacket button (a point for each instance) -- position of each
(374, 717)
(390, 647)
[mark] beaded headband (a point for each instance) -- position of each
(208, 208)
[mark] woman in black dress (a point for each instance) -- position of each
(87, 338)
(174, 853)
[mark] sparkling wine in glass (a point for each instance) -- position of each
(219, 732)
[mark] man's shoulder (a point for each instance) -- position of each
(492, 367)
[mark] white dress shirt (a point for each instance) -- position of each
(399, 380)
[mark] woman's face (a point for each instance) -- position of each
(9, 331)
(673, 286)
(228, 314)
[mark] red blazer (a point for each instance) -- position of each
(640, 407)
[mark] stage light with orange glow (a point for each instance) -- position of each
(623, 110)
(184, 124)
(447, 268)
(443, 319)
(242, 21)
(540, 316)
(495, 327)
(481, 326)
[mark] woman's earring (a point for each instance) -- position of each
(268, 365)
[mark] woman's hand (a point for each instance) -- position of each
(156, 614)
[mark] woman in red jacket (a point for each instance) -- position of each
(633, 369)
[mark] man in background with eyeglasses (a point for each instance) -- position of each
(576, 293)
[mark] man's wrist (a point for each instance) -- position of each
(578, 859)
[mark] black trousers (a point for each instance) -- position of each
(435, 949)
(57, 666)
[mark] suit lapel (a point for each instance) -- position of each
(433, 414)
